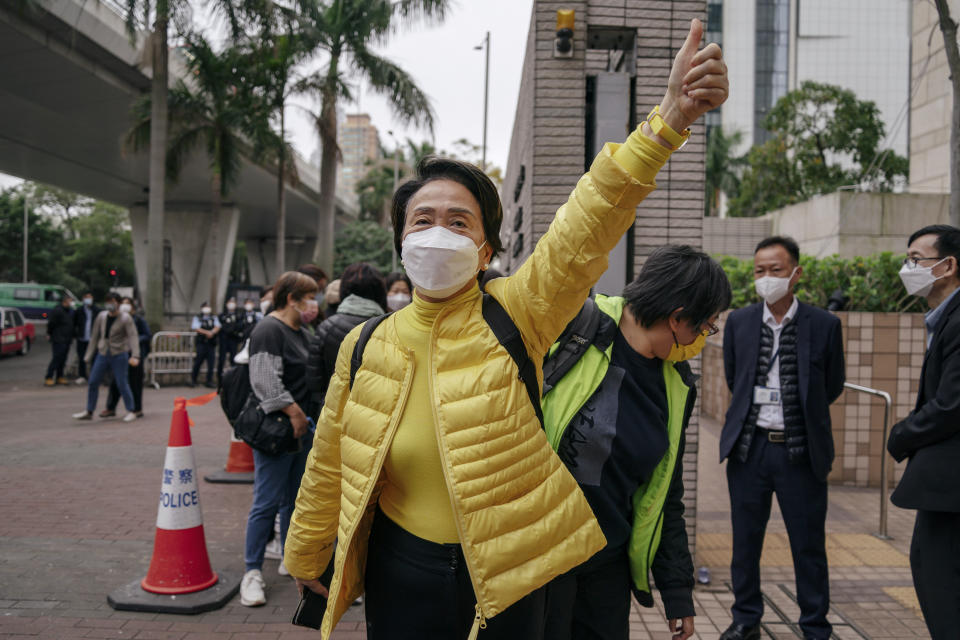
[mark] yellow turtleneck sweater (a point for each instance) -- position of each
(415, 495)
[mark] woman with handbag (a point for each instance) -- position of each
(429, 467)
(278, 363)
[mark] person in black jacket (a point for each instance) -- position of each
(134, 374)
(363, 296)
(60, 335)
(784, 366)
(618, 420)
(82, 326)
(930, 435)
(231, 335)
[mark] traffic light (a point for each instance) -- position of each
(113, 273)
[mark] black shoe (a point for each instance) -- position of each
(741, 632)
(191, 384)
(210, 385)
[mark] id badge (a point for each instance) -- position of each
(766, 395)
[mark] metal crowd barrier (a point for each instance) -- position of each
(170, 352)
(882, 533)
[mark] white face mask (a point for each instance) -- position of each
(397, 301)
(231, 306)
(773, 289)
(125, 308)
(918, 281)
(248, 306)
(440, 262)
(264, 306)
(205, 311)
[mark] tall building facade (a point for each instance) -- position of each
(569, 105)
(359, 143)
(772, 46)
(932, 102)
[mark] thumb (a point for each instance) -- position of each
(692, 43)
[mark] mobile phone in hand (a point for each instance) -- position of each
(310, 610)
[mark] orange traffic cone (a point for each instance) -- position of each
(239, 469)
(180, 579)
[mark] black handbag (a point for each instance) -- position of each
(270, 433)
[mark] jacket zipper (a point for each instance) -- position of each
(378, 465)
(479, 620)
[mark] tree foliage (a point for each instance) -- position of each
(823, 138)
(78, 257)
(722, 167)
(363, 241)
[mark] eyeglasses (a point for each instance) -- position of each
(913, 263)
(711, 329)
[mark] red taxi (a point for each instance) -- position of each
(16, 336)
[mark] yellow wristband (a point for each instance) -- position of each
(660, 128)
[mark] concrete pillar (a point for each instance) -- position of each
(262, 257)
(191, 260)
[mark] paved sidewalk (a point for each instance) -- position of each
(79, 508)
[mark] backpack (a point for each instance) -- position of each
(234, 390)
(591, 326)
(503, 328)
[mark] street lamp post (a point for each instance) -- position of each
(26, 235)
(486, 93)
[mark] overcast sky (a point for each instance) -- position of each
(442, 60)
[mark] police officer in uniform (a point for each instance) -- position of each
(207, 327)
(231, 334)
(251, 316)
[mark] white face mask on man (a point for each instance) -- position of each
(773, 289)
(917, 280)
(440, 262)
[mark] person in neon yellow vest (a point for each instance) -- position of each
(617, 418)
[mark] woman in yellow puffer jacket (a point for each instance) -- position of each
(431, 471)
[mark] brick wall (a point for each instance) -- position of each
(882, 351)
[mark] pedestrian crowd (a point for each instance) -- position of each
(487, 456)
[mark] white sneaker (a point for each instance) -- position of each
(130, 417)
(282, 569)
(80, 381)
(83, 415)
(251, 589)
(273, 550)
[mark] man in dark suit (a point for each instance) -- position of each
(784, 365)
(930, 435)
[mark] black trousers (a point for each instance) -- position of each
(60, 352)
(418, 589)
(206, 351)
(135, 380)
(803, 502)
(591, 602)
(228, 346)
(81, 354)
(935, 563)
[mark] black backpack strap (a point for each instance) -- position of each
(509, 337)
(574, 341)
(356, 359)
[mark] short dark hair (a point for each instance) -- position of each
(313, 271)
(112, 296)
(395, 276)
(788, 243)
(292, 283)
(470, 176)
(361, 279)
(948, 239)
(678, 276)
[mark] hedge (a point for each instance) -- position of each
(871, 283)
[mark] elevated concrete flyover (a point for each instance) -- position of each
(68, 77)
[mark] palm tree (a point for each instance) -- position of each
(722, 168)
(346, 30)
(214, 112)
